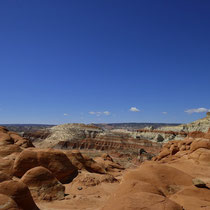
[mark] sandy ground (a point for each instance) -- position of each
(89, 198)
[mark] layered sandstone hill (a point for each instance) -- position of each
(198, 125)
(178, 178)
(159, 135)
(68, 132)
(168, 133)
(90, 137)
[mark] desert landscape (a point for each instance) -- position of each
(78, 166)
(104, 105)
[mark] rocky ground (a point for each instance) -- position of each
(37, 175)
(178, 178)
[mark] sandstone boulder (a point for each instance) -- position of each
(20, 141)
(43, 185)
(200, 143)
(4, 177)
(19, 192)
(5, 139)
(8, 138)
(164, 153)
(86, 179)
(164, 177)
(82, 162)
(54, 160)
(9, 149)
(6, 166)
(106, 162)
(3, 129)
(6, 203)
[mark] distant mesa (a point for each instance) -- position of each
(208, 114)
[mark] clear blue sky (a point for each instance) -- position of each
(72, 60)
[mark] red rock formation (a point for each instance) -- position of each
(4, 177)
(7, 203)
(167, 182)
(86, 180)
(142, 192)
(108, 144)
(6, 166)
(43, 185)
(82, 162)
(183, 147)
(105, 161)
(56, 161)
(19, 192)
(8, 137)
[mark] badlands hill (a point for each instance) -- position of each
(81, 136)
(93, 138)
(198, 125)
(167, 133)
(133, 126)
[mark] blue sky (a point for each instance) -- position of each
(104, 60)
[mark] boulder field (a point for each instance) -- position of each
(177, 178)
(33, 178)
(29, 175)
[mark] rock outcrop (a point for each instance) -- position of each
(69, 132)
(85, 180)
(82, 162)
(178, 178)
(159, 135)
(176, 149)
(20, 193)
(11, 144)
(4, 177)
(106, 162)
(168, 133)
(56, 161)
(43, 185)
(7, 203)
(199, 125)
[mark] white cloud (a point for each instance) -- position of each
(100, 113)
(65, 114)
(164, 112)
(198, 110)
(134, 109)
(107, 113)
(91, 112)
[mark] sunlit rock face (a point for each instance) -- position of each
(177, 178)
